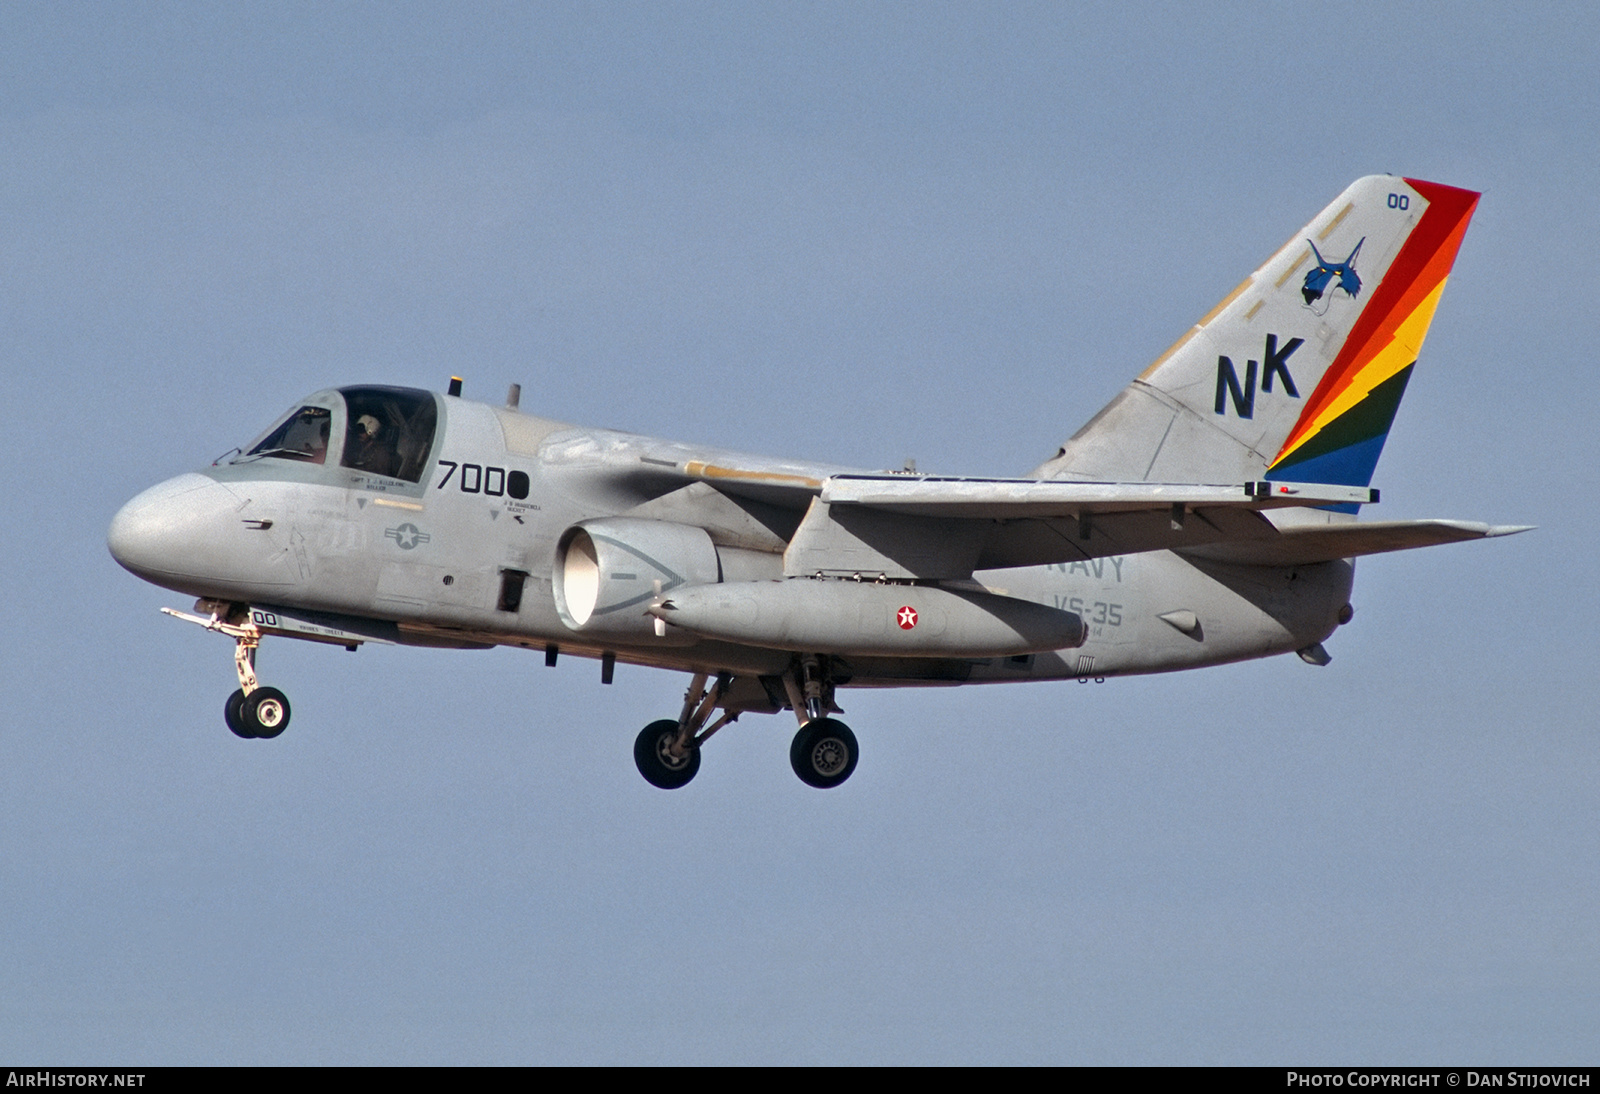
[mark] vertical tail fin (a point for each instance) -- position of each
(1298, 372)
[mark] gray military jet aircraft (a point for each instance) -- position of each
(1208, 514)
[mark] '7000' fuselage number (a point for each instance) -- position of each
(478, 479)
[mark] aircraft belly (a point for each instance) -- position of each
(1161, 612)
(430, 587)
(1204, 614)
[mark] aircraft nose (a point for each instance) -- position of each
(159, 535)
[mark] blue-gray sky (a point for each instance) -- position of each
(849, 232)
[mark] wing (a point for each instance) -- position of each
(835, 522)
(903, 527)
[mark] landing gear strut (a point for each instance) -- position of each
(667, 753)
(253, 711)
(824, 751)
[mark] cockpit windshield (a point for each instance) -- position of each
(386, 431)
(390, 430)
(302, 436)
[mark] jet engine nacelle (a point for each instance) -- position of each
(608, 571)
(812, 615)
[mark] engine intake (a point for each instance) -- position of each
(608, 571)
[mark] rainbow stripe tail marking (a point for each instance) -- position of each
(1340, 433)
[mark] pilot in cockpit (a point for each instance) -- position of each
(372, 453)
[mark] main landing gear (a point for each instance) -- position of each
(667, 753)
(253, 711)
(824, 751)
(823, 754)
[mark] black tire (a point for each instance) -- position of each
(656, 764)
(824, 753)
(232, 713)
(265, 712)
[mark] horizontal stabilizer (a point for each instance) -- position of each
(1306, 544)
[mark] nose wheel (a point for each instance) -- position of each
(253, 711)
(263, 713)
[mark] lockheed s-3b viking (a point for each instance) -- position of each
(1208, 514)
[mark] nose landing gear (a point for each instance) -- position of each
(253, 711)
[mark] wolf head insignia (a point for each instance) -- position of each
(1327, 275)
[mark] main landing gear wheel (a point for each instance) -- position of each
(652, 752)
(262, 713)
(824, 753)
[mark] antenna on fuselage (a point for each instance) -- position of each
(455, 386)
(514, 397)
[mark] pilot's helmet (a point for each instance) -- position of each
(368, 426)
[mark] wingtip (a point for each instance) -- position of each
(1507, 529)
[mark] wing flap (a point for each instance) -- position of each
(870, 541)
(1040, 542)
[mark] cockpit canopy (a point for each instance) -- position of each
(386, 431)
(303, 435)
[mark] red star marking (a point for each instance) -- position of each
(906, 617)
